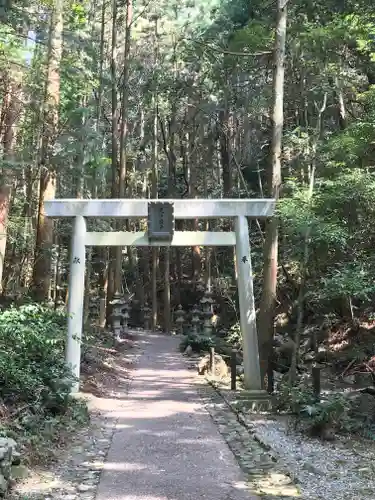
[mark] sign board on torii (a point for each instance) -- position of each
(160, 221)
(161, 216)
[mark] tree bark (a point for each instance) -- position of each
(225, 152)
(10, 116)
(268, 298)
(171, 163)
(4, 209)
(154, 186)
(47, 183)
(114, 142)
(123, 140)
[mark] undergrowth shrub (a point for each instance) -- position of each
(198, 342)
(35, 381)
(234, 335)
(331, 411)
(32, 366)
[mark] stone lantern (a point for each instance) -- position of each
(195, 320)
(180, 319)
(117, 304)
(146, 316)
(125, 312)
(207, 302)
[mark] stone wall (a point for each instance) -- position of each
(9, 461)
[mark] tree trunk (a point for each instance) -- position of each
(47, 183)
(123, 141)
(268, 299)
(4, 209)
(154, 187)
(154, 250)
(102, 251)
(141, 262)
(114, 141)
(10, 112)
(341, 111)
(191, 176)
(225, 152)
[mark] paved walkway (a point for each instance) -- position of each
(166, 446)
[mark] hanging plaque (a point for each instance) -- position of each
(160, 221)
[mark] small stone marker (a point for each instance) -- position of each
(188, 351)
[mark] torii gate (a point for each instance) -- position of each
(161, 214)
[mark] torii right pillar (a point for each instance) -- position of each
(252, 376)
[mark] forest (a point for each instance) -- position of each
(190, 99)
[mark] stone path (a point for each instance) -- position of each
(166, 446)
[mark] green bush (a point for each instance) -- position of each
(235, 336)
(332, 411)
(198, 342)
(32, 367)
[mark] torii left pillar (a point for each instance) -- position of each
(75, 299)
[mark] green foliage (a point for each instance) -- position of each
(11, 48)
(332, 411)
(354, 280)
(256, 36)
(312, 415)
(198, 342)
(338, 221)
(294, 398)
(32, 367)
(35, 381)
(234, 335)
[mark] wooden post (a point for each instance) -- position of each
(212, 360)
(233, 370)
(75, 301)
(315, 375)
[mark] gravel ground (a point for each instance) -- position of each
(339, 470)
(342, 470)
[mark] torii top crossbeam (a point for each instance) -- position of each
(183, 209)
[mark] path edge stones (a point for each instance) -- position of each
(268, 477)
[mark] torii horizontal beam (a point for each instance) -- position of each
(183, 209)
(180, 239)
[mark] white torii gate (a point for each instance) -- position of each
(238, 209)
